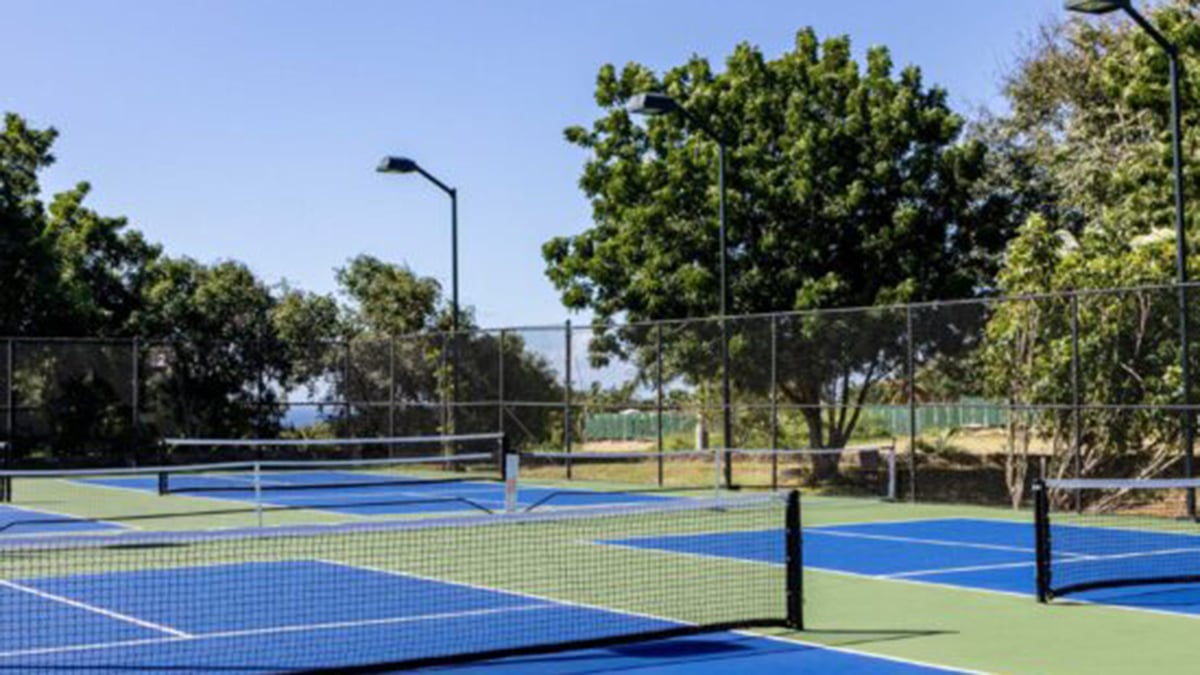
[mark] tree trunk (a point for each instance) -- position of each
(826, 467)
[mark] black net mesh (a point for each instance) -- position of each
(1097, 534)
(409, 593)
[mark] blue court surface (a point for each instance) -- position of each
(25, 521)
(388, 498)
(988, 555)
(164, 620)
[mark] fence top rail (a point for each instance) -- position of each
(649, 323)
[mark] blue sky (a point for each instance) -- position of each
(249, 129)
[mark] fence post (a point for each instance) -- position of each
(392, 386)
(10, 416)
(346, 390)
(500, 380)
(135, 398)
(658, 396)
(1076, 411)
(774, 402)
(912, 405)
(567, 399)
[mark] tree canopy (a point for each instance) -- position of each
(849, 185)
(1090, 109)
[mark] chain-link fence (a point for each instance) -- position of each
(980, 396)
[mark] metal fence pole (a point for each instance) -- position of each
(392, 386)
(912, 405)
(346, 392)
(658, 396)
(1076, 411)
(567, 399)
(135, 398)
(774, 402)
(10, 413)
(500, 380)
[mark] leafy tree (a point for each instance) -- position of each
(1089, 104)
(399, 325)
(65, 269)
(215, 352)
(28, 269)
(103, 266)
(388, 299)
(849, 186)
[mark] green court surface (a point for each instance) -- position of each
(966, 626)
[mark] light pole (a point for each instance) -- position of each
(1172, 50)
(406, 165)
(662, 104)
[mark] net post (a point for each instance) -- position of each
(795, 563)
(1041, 528)
(163, 484)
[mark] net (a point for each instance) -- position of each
(1095, 534)
(404, 593)
(866, 470)
(273, 476)
(211, 450)
(675, 469)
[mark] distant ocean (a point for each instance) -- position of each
(298, 418)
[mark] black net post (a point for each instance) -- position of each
(658, 397)
(795, 563)
(1041, 519)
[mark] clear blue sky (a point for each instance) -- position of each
(249, 129)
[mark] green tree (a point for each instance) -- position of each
(849, 186)
(28, 268)
(1090, 106)
(217, 364)
(65, 269)
(398, 326)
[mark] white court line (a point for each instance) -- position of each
(858, 652)
(71, 516)
(500, 591)
(274, 630)
(952, 570)
(917, 540)
(93, 609)
(1080, 558)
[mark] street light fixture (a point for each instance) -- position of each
(404, 165)
(1172, 50)
(654, 103)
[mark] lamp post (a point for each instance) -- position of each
(403, 165)
(1172, 50)
(662, 104)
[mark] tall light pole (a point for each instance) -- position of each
(406, 165)
(662, 104)
(1172, 50)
